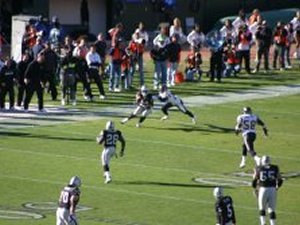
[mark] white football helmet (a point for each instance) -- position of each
(110, 125)
(218, 192)
(144, 90)
(247, 110)
(265, 160)
(75, 181)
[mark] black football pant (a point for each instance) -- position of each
(3, 91)
(82, 68)
(248, 144)
(94, 75)
(181, 107)
(30, 89)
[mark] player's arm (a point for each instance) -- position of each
(279, 179)
(100, 138)
(255, 182)
(238, 125)
(123, 144)
(233, 214)
(73, 202)
(261, 123)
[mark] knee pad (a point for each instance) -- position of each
(262, 212)
(272, 215)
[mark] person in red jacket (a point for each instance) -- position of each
(243, 46)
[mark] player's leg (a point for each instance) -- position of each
(144, 115)
(136, 112)
(262, 203)
(180, 105)
(272, 205)
(244, 155)
(105, 158)
(165, 109)
(249, 142)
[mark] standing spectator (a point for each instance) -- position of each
(240, 21)
(50, 69)
(160, 55)
(80, 52)
(56, 34)
(34, 78)
(42, 28)
(21, 68)
(116, 34)
(139, 42)
(68, 44)
(196, 38)
(296, 26)
(255, 17)
(280, 42)
(176, 29)
(94, 63)
(29, 38)
(126, 67)
(68, 74)
(243, 46)
(174, 51)
(101, 47)
(8, 75)
(228, 32)
(116, 53)
(142, 33)
(37, 48)
(289, 42)
(263, 38)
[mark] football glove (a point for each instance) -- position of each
(237, 131)
(265, 130)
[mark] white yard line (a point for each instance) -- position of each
(111, 189)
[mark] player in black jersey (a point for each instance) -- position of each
(224, 208)
(266, 181)
(108, 138)
(69, 198)
(144, 101)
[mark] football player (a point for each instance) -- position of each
(224, 208)
(267, 180)
(171, 100)
(144, 101)
(108, 138)
(246, 124)
(68, 200)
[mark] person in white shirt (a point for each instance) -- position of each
(176, 29)
(228, 32)
(94, 62)
(296, 27)
(240, 21)
(196, 38)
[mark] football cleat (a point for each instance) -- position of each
(125, 120)
(242, 164)
(108, 180)
(138, 125)
(164, 118)
(194, 120)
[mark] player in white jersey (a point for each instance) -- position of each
(246, 124)
(266, 181)
(171, 100)
(68, 200)
(108, 138)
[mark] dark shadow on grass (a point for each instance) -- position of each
(164, 184)
(42, 136)
(222, 129)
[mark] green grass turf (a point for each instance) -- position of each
(153, 183)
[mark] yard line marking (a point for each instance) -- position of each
(194, 172)
(138, 193)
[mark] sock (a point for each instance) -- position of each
(272, 222)
(257, 160)
(243, 159)
(263, 220)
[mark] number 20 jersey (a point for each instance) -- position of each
(65, 196)
(247, 123)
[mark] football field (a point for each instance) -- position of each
(169, 169)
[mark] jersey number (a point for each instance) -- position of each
(265, 175)
(65, 197)
(111, 139)
(229, 210)
(249, 124)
